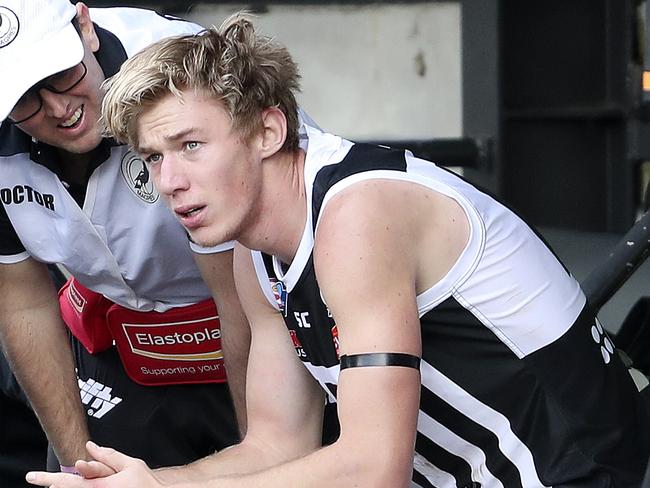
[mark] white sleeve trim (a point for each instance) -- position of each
(226, 246)
(264, 279)
(14, 258)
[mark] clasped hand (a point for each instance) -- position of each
(110, 469)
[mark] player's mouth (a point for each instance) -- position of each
(74, 120)
(190, 216)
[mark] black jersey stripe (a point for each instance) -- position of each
(480, 424)
(419, 481)
(475, 434)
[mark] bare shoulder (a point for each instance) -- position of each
(398, 223)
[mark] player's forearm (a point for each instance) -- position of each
(236, 343)
(335, 466)
(238, 459)
(37, 347)
(216, 270)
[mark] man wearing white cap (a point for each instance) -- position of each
(146, 339)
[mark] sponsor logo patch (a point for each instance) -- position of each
(335, 339)
(181, 345)
(75, 298)
(136, 175)
(300, 351)
(197, 340)
(294, 338)
(9, 26)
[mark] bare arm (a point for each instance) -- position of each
(216, 270)
(367, 270)
(36, 344)
(283, 424)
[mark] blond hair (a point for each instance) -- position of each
(245, 71)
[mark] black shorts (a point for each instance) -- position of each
(23, 445)
(163, 425)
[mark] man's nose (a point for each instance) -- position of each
(54, 104)
(170, 179)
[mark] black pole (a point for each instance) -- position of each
(626, 256)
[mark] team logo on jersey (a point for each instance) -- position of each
(280, 293)
(137, 178)
(9, 26)
(599, 336)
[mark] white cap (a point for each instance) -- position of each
(37, 39)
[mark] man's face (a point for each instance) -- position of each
(208, 175)
(70, 120)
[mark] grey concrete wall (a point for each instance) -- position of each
(370, 71)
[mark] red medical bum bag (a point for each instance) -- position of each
(179, 346)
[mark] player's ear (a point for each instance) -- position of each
(274, 131)
(86, 27)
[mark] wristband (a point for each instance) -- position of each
(68, 469)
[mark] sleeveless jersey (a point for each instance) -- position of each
(113, 244)
(521, 387)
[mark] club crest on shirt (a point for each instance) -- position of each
(280, 293)
(9, 26)
(136, 175)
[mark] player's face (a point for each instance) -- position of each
(70, 120)
(208, 175)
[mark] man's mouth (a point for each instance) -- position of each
(190, 212)
(191, 217)
(73, 121)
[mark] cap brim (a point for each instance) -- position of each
(38, 61)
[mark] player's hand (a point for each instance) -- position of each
(93, 469)
(119, 471)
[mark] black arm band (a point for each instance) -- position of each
(380, 359)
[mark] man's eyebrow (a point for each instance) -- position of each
(174, 136)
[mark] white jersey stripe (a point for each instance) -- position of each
(458, 446)
(433, 474)
(324, 375)
(511, 446)
(414, 485)
(263, 278)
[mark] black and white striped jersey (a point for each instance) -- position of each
(521, 387)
